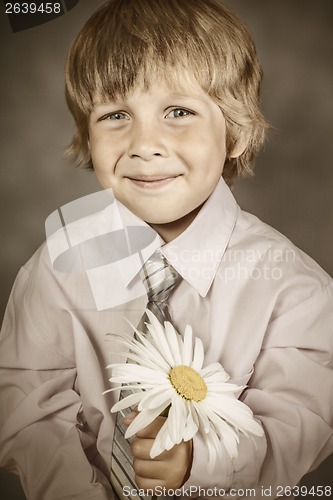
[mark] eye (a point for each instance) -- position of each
(117, 116)
(179, 113)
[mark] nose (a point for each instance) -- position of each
(147, 141)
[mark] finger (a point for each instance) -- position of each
(130, 417)
(149, 484)
(149, 469)
(141, 447)
(171, 469)
(152, 429)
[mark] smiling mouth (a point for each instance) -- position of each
(147, 182)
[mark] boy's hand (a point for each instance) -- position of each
(170, 469)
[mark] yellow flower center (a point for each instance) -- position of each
(188, 383)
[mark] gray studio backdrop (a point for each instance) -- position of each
(292, 189)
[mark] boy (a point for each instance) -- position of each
(165, 99)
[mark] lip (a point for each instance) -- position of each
(153, 182)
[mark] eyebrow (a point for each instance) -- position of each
(122, 100)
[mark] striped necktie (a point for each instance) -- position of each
(159, 279)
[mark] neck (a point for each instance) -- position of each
(171, 230)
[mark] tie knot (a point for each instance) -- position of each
(159, 278)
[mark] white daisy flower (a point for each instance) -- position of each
(168, 373)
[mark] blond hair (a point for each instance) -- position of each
(126, 42)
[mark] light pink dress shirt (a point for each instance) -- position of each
(262, 308)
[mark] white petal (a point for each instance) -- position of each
(216, 371)
(187, 346)
(162, 441)
(222, 388)
(193, 412)
(148, 351)
(192, 423)
(143, 348)
(214, 450)
(143, 345)
(130, 372)
(133, 387)
(224, 430)
(156, 397)
(124, 338)
(230, 442)
(204, 424)
(149, 359)
(177, 419)
(114, 365)
(144, 418)
(133, 346)
(158, 335)
(198, 355)
(235, 412)
(128, 401)
(172, 338)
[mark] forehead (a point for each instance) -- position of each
(175, 82)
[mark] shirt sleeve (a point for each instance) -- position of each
(290, 393)
(42, 438)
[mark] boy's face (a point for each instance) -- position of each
(161, 152)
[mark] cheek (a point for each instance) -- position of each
(207, 143)
(102, 155)
(103, 168)
(208, 159)
(216, 151)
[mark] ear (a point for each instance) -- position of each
(240, 145)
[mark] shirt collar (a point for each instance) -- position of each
(198, 251)
(100, 236)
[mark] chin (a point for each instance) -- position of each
(158, 222)
(158, 219)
